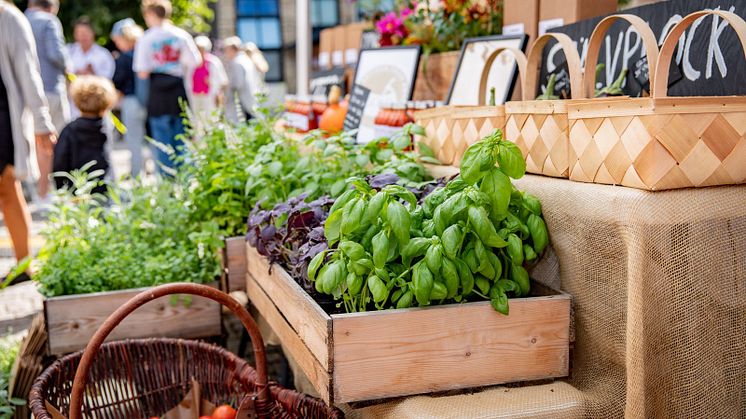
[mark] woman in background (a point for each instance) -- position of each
(125, 34)
(206, 85)
(246, 80)
(25, 124)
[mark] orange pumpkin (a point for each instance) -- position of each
(333, 118)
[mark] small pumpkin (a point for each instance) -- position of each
(333, 118)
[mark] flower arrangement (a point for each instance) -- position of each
(439, 25)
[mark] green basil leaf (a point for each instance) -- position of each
(539, 234)
(532, 203)
(352, 215)
(342, 200)
(377, 289)
(520, 276)
(465, 277)
(515, 249)
(500, 304)
(471, 260)
(434, 257)
(351, 249)
(508, 285)
(332, 226)
(315, 264)
(483, 284)
(406, 300)
(452, 238)
(470, 163)
(375, 206)
(422, 280)
(380, 249)
(439, 291)
(354, 284)
(399, 220)
(496, 266)
(510, 159)
(484, 228)
(449, 273)
(416, 247)
(529, 252)
(497, 187)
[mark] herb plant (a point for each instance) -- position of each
(468, 239)
(9, 346)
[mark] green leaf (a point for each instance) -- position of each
(354, 284)
(510, 159)
(405, 301)
(434, 257)
(500, 304)
(483, 284)
(380, 249)
(497, 187)
(332, 226)
(439, 291)
(375, 205)
(465, 276)
(352, 215)
(470, 163)
(315, 264)
(515, 249)
(399, 220)
(449, 273)
(377, 289)
(520, 276)
(352, 250)
(539, 233)
(484, 228)
(452, 239)
(422, 279)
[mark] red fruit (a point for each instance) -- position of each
(224, 412)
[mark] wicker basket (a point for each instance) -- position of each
(540, 127)
(659, 142)
(450, 130)
(148, 377)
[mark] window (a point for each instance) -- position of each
(324, 13)
(258, 21)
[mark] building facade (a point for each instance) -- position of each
(271, 25)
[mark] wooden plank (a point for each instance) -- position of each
(73, 319)
(235, 250)
(401, 352)
(291, 342)
(306, 317)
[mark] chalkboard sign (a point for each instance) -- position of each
(356, 107)
(709, 60)
(322, 81)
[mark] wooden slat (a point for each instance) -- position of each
(235, 250)
(72, 320)
(400, 352)
(306, 317)
(291, 342)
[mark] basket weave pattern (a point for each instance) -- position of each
(543, 139)
(660, 151)
(449, 134)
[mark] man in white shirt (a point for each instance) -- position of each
(164, 55)
(87, 56)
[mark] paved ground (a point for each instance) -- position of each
(19, 303)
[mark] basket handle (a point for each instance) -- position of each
(534, 63)
(91, 350)
(672, 39)
(520, 60)
(597, 38)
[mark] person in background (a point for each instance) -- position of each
(125, 34)
(23, 115)
(165, 54)
(245, 81)
(84, 139)
(89, 58)
(207, 84)
(54, 64)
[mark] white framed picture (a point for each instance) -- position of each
(382, 75)
(502, 75)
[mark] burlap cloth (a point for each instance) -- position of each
(659, 291)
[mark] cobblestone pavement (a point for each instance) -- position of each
(19, 303)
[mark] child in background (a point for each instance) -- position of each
(84, 139)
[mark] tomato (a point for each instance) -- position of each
(224, 412)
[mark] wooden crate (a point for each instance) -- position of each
(72, 320)
(375, 355)
(234, 262)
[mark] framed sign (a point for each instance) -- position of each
(502, 75)
(322, 81)
(382, 75)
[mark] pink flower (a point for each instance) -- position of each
(391, 27)
(406, 12)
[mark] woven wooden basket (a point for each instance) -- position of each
(540, 128)
(658, 142)
(148, 377)
(450, 130)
